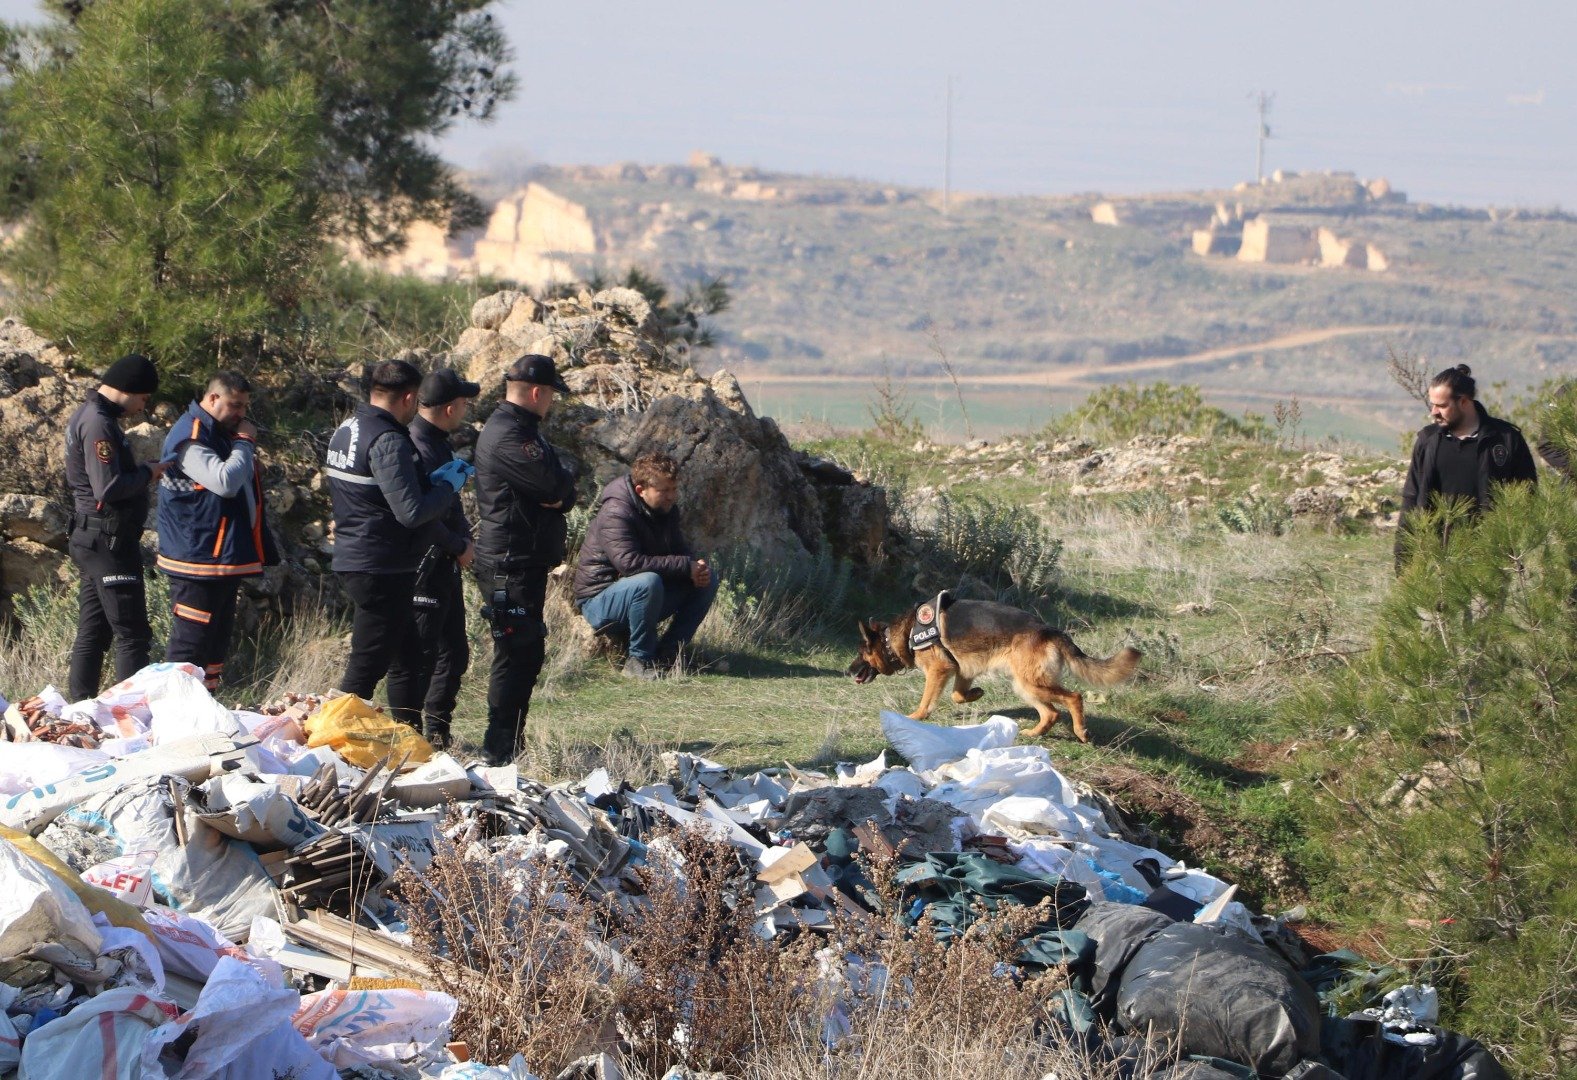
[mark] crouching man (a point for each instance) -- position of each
(637, 570)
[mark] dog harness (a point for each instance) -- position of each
(926, 632)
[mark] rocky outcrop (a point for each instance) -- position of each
(741, 482)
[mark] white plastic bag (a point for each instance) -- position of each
(101, 1038)
(984, 777)
(259, 813)
(930, 745)
(376, 1027)
(211, 876)
(242, 1020)
(24, 766)
(128, 876)
(189, 947)
(1021, 816)
(38, 909)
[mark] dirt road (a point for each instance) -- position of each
(1067, 375)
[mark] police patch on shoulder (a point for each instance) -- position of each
(926, 615)
(1499, 454)
(104, 450)
(531, 451)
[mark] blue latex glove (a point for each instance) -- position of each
(455, 474)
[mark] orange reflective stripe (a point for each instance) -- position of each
(197, 427)
(219, 541)
(192, 569)
(191, 614)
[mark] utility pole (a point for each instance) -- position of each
(947, 152)
(1264, 101)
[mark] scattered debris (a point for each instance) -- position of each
(209, 887)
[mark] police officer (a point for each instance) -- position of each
(523, 492)
(382, 505)
(440, 597)
(109, 504)
(212, 528)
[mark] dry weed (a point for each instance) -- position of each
(508, 939)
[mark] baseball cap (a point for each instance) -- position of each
(533, 368)
(445, 385)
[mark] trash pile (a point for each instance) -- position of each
(194, 891)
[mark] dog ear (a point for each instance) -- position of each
(865, 631)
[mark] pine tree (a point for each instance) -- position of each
(172, 207)
(1450, 818)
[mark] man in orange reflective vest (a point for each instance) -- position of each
(212, 528)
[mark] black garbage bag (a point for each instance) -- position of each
(1358, 1047)
(1221, 994)
(1119, 931)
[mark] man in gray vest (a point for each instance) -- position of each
(382, 505)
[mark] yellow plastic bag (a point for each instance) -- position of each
(363, 735)
(95, 899)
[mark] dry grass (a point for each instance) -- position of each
(688, 983)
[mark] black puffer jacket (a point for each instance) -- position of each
(627, 538)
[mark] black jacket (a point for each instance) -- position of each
(1503, 457)
(517, 470)
(109, 490)
(382, 500)
(626, 538)
(452, 532)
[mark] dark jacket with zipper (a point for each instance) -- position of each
(626, 538)
(109, 490)
(1503, 457)
(451, 533)
(517, 471)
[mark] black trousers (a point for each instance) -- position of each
(383, 642)
(112, 605)
(203, 611)
(519, 645)
(444, 651)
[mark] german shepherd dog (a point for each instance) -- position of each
(978, 636)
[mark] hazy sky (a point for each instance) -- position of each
(1454, 101)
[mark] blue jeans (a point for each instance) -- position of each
(642, 602)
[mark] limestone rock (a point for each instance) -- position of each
(147, 440)
(25, 563)
(738, 483)
(35, 518)
(33, 413)
(522, 320)
(490, 311)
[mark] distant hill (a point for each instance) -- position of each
(833, 279)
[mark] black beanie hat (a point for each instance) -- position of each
(132, 374)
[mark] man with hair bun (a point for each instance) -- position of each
(1463, 454)
(637, 569)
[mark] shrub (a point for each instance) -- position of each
(762, 599)
(1254, 514)
(1123, 411)
(1001, 544)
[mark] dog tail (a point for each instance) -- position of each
(1108, 672)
